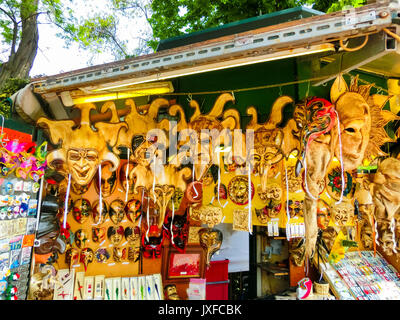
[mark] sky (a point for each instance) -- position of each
(53, 57)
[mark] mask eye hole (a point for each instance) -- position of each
(350, 130)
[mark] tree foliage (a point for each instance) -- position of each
(176, 17)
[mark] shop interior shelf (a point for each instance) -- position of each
(273, 269)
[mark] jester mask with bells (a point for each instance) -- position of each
(160, 181)
(268, 139)
(191, 139)
(82, 149)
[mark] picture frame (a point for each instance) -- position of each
(180, 267)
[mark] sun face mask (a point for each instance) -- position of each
(238, 190)
(82, 149)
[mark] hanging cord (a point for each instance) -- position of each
(172, 221)
(341, 160)
(126, 177)
(250, 196)
(141, 209)
(356, 48)
(66, 202)
(392, 227)
(100, 198)
(194, 185)
(288, 235)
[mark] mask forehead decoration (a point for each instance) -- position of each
(82, 149)
(268, 138)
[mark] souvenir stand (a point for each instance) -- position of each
(280, 127)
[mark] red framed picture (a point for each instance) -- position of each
(178, 266)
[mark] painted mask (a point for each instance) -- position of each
(179, 231)
(170, 292)
(323, 214)
(117, 212)
(223, 193)
(177, 199)
(132, 235)
(108, 180)
(102, 255)
(210, 241)
(79, 189)
(194, 192)
(81, 210)
(122, 178)
(96, 212)
(119, 254)
(386, 241)
(294, 182)
(152, 247)
(366, 235)
(71, 257)
(86, 257)
(238, 190)
(115, 234)
(80, 238)
(329, 236)
(295, 208)
(133, 210)
(98, 234)
(134, 254)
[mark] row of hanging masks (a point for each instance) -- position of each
(349, 127)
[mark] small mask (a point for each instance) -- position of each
(323, 214)
(132, 235)
(98, 234)
(297, 252)
(108, 181)
(152, 247)
(134, 254)
(96, 212)
(194, 192)
(80, 238)
(209, 215)
(122, 178)
(223, 193)
(119, 254)
(238, 190)
(342, 213)
(295, 208)
(210, 241)
(81, 210)
(177, 198)
(180, 230)
(71, 257)
(170, 292)
(86, 257)
(115, 234)
(366, 235)
(102, 255)
(117, 211)
(133, 209)
(79, 189)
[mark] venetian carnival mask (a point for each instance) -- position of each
(329, 236)
(132, 235)
(171, 293)
(127, 181)
(297, 252)
(115, 234)
(79, 189)
(178, 232)
(82, 149)
(81, 210)
(238, 190)
(134, 253)
(71, 257)
(80, 238)
(102, 255)
(98, 234)
(86, 257)
(210, 240)
(133, 210)
(209, 215)
(386, 241)
(342, 213)
(194, 192)
(295, 208)
(323, 214)
(108, 180)
(362, 122)
(119, 254)
(268, 138)
(152, 244)
(96, 212)
(117, 212)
